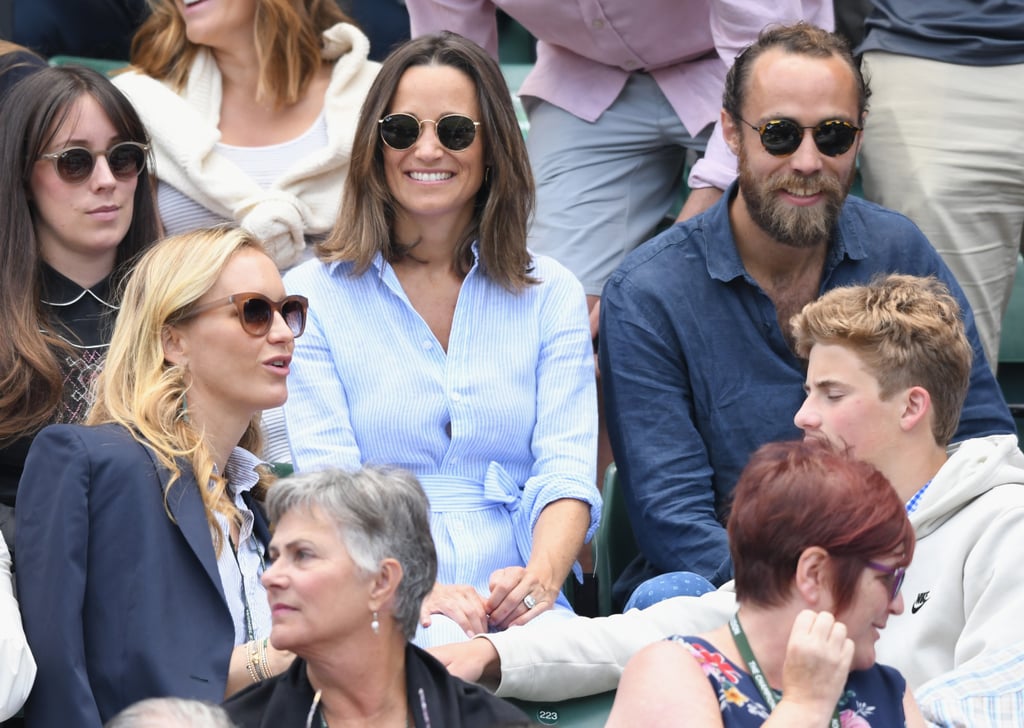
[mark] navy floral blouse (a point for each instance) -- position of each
(873, 698)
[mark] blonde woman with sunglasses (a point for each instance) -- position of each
(443, 346)
(142, 538)
(77, 210)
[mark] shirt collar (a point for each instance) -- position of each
(240, 470)
(915, 500)
(59, 290)
(380, 265)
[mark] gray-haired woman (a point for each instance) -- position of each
(171, 713)
(353, 559)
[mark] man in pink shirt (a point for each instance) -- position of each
(620, 90)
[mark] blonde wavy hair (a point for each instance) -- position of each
(908, 331)
(138, 389)
(286, 37)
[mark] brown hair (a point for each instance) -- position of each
(795, 495)
(504, 202)
(31, 382)
(907, 330)
(799, 39)
(286, 37)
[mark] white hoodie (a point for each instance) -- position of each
(964, 591)
(970, 545)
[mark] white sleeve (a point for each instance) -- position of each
(17, 667)
(564, 659)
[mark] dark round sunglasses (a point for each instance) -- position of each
(256, 312)
(455, 131)
(74, 165)
(782, 137)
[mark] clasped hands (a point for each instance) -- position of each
(518, 594)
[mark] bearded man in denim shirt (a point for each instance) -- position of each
(697, 364)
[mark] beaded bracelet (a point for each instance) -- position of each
(252, 663)
(264, 659)
(250, 666)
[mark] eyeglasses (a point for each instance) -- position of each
(897, 573)
(455, 131)
(256, 312)
(782, 137)
(74, 165)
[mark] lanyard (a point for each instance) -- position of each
(769, 695)
(249, 632)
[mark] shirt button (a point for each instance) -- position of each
(629, 65)
(597, 24)
(456, 397)
(427, 345)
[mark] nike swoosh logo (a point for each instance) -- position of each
(919, 602)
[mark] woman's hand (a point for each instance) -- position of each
(557, 539)
(507, 605)
(458, 602)
(817, 666)
(240, 672)
(474, 661)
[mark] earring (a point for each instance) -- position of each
(179, 376)
(487, 175)
(375, 624)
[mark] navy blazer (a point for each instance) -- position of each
(119, 602)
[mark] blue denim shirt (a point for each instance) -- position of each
(697, 374)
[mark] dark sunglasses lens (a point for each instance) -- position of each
(456, 132)
(256, 316)
(834, 137)
(399, 131)
(294, 314)
(75, 165)
(126, 160)
(781, 137)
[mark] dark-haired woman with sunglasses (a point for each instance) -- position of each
(77, 209)
(441, 345)
(141, 535)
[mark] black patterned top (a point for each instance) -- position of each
(84, 318)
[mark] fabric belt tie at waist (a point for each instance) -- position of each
(454, 493)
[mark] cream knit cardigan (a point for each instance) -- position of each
(305, 199)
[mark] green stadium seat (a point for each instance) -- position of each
(514, 74)
(1010, 374)
(104, 65)
(614, 543)
(1011, 342)
(588, 712)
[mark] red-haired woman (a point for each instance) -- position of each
(819, 543)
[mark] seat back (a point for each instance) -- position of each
(615, 546)
(1011, 351)
(587, 712)
(107, 66)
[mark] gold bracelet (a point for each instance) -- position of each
(250, 662)
(264, 659)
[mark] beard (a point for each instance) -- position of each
(797, 227)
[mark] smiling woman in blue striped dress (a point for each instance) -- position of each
(441, 345)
